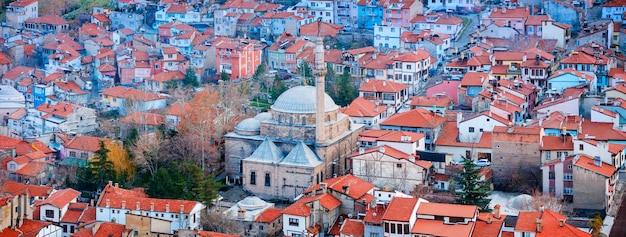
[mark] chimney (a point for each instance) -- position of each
(117, 185)
(346, 189)
(182, 208)
(597, 161)
(323, 187)
(361, 150)
(110, 183)
(489, 220)
(412, 158)
(167, 207)
(137, 206)
(459, 117)
(539, 225)
(382, 149)
(108, 203)
(152, 206)
(496, 211)
(123, 204)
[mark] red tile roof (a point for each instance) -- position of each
(557, 143)
(72, 216)
(587, 163)
(115, 197)
(374, 215)
(32, 169)
(516, 134)
(61, 198)
(352, 227)
(357, 187)
(428, 101)
(550, 221)
(484, 229)
(439, 228)
(400, 209)
(84, 143)
(579, 58)
(138, 117)
(23, 3)
(16, 188)
(416, 118)
(49, 19)
(450, 210)
(166, 76)
(4, 59)
(518, 12)
(204, 233)
(88, 215)
(108, 229)
(269, 215)
(600, 131)
(130, 93)
(475, 79)
(18, 72)
(179, 109)
(31, 228)
(70, 86)
(325, 29)
(361, 107)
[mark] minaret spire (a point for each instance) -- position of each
(319, 71)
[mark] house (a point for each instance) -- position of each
(516, 153)
(276, 23)
(310, 215)
(472, 128)
(400, 216)
(239, 58)
(183, 12)
(566, 78)
(176, 113)
(454, 5)
(450, 144)
(17, 74)
(282, 55)
(77, 214)
(514, 16)
(115, 203)
(28, 170)
(386, 166)
(370, 13)
(471, 85)
(439, 219)
(614, 10)
(346, 13)
(145, 122)
(388, 37)
(324, 29)
(557, 176)
(438, 23)
(62, 117)
(599, 31)
(407, 142)
(322, 10)
(101, 20)
(615, 92)
(558, 31)
(35, 192)
(129, 20)
(34, 228)
(437, 103)
(71, 92)
(399, 13)
(18, 12)
(80, 147)
(247, 211)
(12, 207)
(559, 123)
(541, 223)
(270, 223)
(598, 178)
(163, 81)
(53, 208)
(368, 113)
(499, 30)
(567, 104)
(411, 68)
(589, 58)
(437, 44)
(124, 100)
(47, 24)
(383, 92)
(417, 120)
(533, 24)
(349, 189)
(63, 58)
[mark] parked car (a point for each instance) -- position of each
(482, 163)
(458, 162)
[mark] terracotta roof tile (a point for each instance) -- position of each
(527, 222)
(32, 169)
(357, 187)
(361, 107)
(115, 196)
(325, 29)
(130, 93)
(557, 143)
(451, 210)
(416, 118)
(204, 233)
(269, 215)
(400, 209)
(428, 101)
(166, 76)
(587, 163)
(84, 143)
(352, 227)
(439, 228)
(61, 198)
(475, 79)
(138, 117)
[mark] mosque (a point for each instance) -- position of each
(302, 140)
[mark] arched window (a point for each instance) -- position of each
(327, 118)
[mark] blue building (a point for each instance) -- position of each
(374, 221)
(370, 13)
(566, 78)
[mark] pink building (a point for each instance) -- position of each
(237, 57)
(512, 16)
(449, 88)
(400, 12)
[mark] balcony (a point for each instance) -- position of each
(342, 6)
(319, 8)
(345, 14)
(371, 14)
(513, 71)
(395, 16)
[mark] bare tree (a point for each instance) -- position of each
(547, 201)
(217, 222)
(146, 151)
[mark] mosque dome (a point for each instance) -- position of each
(262, 117)
(301, 99)
(248, 125)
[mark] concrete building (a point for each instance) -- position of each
(598, 179)
(19, 11)
(516, 155)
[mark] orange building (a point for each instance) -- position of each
(238, 57)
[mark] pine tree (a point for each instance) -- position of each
(278, 88)
(473, 191)
(101, 167)
(190, 80)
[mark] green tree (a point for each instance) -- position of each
(260, 70)
(342, 90)
(166, 183)
(102, 168)
(596, 224)
(184, 181)
(278, 87)
(224, 76)
(473, 191)
(190, 80)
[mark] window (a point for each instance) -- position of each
(293, 222)
(406, 228)
(471, 129)
(83, 155)
(569, 167)
(551, 175)
(398, 165)
(267, 180)
(50, 213)
(408, 66)
(568, 176)
(253, 177)
(581, 147)
(568, 191)
(64, 228)
(393, 228)
(559, 154)
(72, 154)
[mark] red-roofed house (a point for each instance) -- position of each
(138, 100)
(271, 221)
(407, 142)
(239, 58)
(597, 179)
(161, 81)
(543, 224)
(471, 85)
(570, 77)
(35, 192)
(17, 74)
(400, 216)
(442, 23)
(411, 68)
(389, 167)
(351, 190)
(114, 203)
(276, 23)
(32, 228)
(362, 111)
(48, 24)
(309, 214)
(515, 17)
(439, 219)
(438, 103)
(417, 120)
(180, 12)
(18, 12)
(70, 91)
(81, 147)
(54, 208)
(557, 175)
(63, 116)
(390, 93)
(450, 143)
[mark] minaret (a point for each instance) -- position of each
(319, 71)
